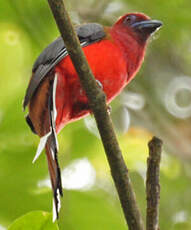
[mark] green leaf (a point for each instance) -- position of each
(37, 220)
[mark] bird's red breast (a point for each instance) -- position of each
(109, 68)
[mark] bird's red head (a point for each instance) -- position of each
(131, 33)
(139, 25)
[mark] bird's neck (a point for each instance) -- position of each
(132, 50)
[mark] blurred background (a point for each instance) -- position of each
(157, 102)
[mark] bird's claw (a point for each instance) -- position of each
(109, 109)
(99, 84)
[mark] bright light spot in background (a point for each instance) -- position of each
(79, 175)
(132, 100)
(113, 7)
(125, 120)
(181, 216)
(15, 48)
(11, 37)
(179, 86)
(2, 228)
(90, 124)
(122, 120)
(141, 169)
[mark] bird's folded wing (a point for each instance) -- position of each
(56, 51)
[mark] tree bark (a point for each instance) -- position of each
(152, 184)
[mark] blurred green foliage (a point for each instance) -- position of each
(26, 27)
(36, 220)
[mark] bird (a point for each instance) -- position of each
(54, 95)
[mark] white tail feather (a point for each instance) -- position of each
(54, 96)
(54, 214)
(54, 108)
(54, 211)
(41, 146)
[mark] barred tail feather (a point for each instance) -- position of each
(51, 152)
(55, 176)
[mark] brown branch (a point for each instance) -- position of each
(152, 184)
(97, 101)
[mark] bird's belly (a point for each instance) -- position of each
(109, 68)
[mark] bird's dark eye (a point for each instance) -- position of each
(130, 19)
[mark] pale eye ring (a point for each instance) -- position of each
(130, 19)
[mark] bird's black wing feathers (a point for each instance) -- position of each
(56, 51)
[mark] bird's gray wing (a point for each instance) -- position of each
(56, 51)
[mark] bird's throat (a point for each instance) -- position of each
(132, 50)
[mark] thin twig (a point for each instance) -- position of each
(152, 184)
(97, 102)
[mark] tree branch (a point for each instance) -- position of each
(152, 184)
(97, 102)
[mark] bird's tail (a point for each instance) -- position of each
(54, 171)
(51, 152)
(49, 142)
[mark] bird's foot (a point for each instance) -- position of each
(109, 109)
(99, 84)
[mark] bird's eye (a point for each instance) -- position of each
(130, 19)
